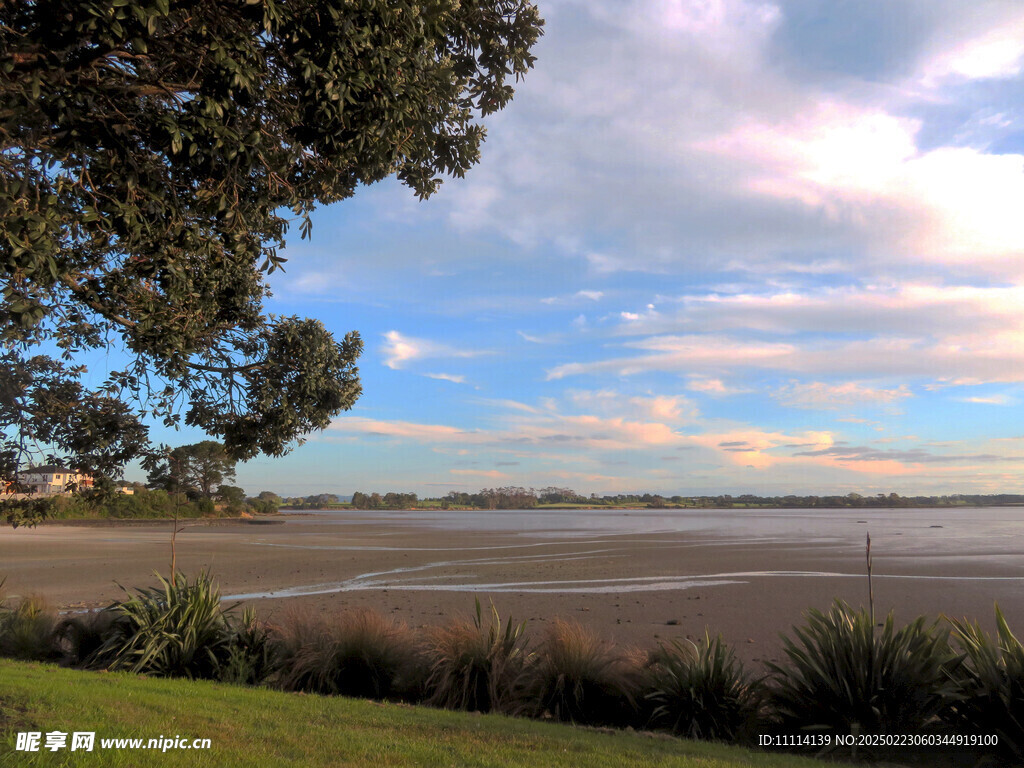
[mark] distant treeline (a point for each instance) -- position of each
(514, 497)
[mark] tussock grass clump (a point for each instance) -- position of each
(990, 685)
(355, 653)
(846, 677)
(700, 691)
(576, 677)
(84, 637)
(27, 630)
(476, 666)
(175, 630)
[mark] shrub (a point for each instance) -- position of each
(27, 630)
(249, 659)
(356, 653)
(846, 677)
(576, 677)
(175, 630)
(473, 666)
(990, 685)
(700, 691)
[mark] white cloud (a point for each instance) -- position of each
(400, 349)
(675, 128)
(982, 357)
(897, 330)
(991, 400)
(457, 379)
(820, 395)
(996, 52)
(860, 167)
(683, 354)
(574, 298)
(533, 339)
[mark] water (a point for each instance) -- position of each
(925, 531)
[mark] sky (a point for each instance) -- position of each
(712, 246)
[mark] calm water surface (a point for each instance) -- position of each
(925, 531)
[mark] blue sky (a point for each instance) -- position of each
(713, 246)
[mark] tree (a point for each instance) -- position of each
(195, 470)
(232, 496)
(153, 154)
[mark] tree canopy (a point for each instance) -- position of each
(197, 470)
(153, 154)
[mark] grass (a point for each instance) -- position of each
(252, 726)
(357, 652)
(577, 677)
(476, 666)
(27, 630)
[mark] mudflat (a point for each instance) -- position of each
(633, 587)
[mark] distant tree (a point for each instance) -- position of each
(232, 496)
(555, 495)
(196, 470)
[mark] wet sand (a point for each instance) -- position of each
(633, 588)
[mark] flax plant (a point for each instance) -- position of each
(990, 685)
(175, 630)
(700, 691)
(844, 677)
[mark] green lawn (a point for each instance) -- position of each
(259, 727)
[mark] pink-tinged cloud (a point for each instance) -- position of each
(493, 474)
(427, 433)
(714, 387)
(749, 447)
(658, 408)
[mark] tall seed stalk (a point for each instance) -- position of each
(871, 590)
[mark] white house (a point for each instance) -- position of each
(53, 479)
